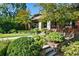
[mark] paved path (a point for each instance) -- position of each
(9, 38)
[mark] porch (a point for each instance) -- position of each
(69, 31)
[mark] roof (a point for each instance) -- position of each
(36, 16)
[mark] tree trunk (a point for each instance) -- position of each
(28, 26)
(48, 25)
(25, 26)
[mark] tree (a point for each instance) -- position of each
(8, 14)
(23, 18)
(47, 13)
(59, 13)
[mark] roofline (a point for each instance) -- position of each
(35, 15)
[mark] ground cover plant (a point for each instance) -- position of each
(71, 50)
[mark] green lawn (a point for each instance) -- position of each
(11, 35)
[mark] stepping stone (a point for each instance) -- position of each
(45, 46)
(52, 53)
(48, 50)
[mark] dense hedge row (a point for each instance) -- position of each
(24, 46)
(10, 27)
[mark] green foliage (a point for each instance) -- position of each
(55, 37)
(7, 17)
(3, 47)
(46, 31)
(12, 31)
(40, 39)
(25, 46)
(7, 26)
(23, 31)
(36, 30)
(1, 30)
(71, 50)
(59, 13)
(23, 18)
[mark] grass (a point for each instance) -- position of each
(11, 35)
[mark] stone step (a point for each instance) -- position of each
(52, 53)
(45, 47)
(48, 50)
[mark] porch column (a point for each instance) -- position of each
(40, 25)
(71, 23)
(48, 25)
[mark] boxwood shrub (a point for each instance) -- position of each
(25, 46)
(35, 30)
(40, 39)
(3, 47)
(55, 37)
(71, 50)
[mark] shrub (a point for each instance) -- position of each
(40, 39)
(39, 31)
(3, 47)
(25, 46)
(12, 31)
(1, 30)
(55, 37)
(35, 30)
(71, 50)
(22, 31)
(7, 26)
(45, 30)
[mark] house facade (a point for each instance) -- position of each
(38, 24)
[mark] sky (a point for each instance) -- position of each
(30, 6)
(33, 9)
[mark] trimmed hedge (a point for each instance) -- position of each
(40, 39)
(25, 46)
(55, 37)
(71, 50)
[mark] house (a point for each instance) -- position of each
(38, 24)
